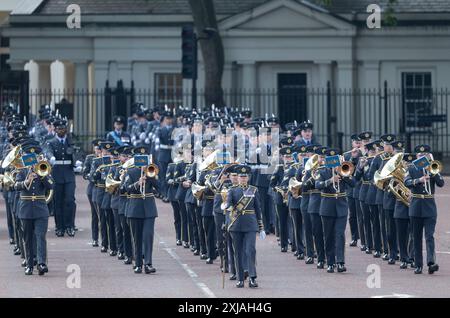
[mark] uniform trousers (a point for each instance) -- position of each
(419, 226)
(64, 196)
(334, 233)
(34, 232)
(352, 218)
(317, 230)
(283, 217)
(94, 219)
(142, 231)
(244, 250)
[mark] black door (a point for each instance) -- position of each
(14, 89)
(291, 97)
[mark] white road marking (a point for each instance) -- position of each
(442, 252)
(193, 275)
(394, 295)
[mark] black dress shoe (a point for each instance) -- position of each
(42, 269)
(178, 243)
(330, 269)
(185, 244)
(283, 249)
(24, 263)
(296, 254)
(377, 254)
(104, 249)
(196, 252)
(127, 261)
(433, 268)
(120, 256)
(192, 248)
(301, 256)
(29, 271)
(368, 251)
(16, 251)
(418, 270)
(70, 232)
(149, 269)
(240, 284)
(252, 283)
(341, 268)
(403, 265)
(59, 233)
(353, 243)
(209, 261)
(203, 256)
(320, 265)
(113, 253)
(309, 260)
(363, 248)
(385, 257)
(95, 244)
(391, 261)
(138, 269)
(233, 277)
(11, 242)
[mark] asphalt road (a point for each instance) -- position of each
(180, 274)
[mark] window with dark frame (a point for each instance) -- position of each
(417, 98)
(168, 89)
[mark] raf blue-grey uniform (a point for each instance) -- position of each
(180, 195)
(94, 217)
(334, 211)
(33, 213)
(164, 151)
(64, 177)
(423, 213)
(373, 199)
(294, 205)
(171, 197)
(98, 192)
(352, 202)
(109, 214)
(243, 229)
(280, 180)
(141, 212)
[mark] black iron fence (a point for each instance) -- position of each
(415, 115)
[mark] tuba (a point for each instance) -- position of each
(210, 162)
(295, 188)
(392, 176)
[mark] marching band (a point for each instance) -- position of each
(228, 180)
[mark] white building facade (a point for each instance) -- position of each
(269, 46)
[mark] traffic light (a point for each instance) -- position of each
(189, 52)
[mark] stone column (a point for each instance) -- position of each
(82, 97)
(248, 87)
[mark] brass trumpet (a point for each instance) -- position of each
(435, 167)
(346, 169)
(151, 171)
(42, 168)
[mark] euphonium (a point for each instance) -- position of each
(400, 191)
(110, 184)
(42, 168)
(197, 190)
(295, 187)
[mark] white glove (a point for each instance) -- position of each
(262, 235)
(78, 163)
(52, 160)
(77, 169)
(147, 141)
(134, 143)
(142, 136)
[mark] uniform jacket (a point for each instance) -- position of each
(29, 209)
(334, 207)
(62, 173)
(246, 222)
(424, 208)
(140, 208)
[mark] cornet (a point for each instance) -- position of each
(42, 168)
